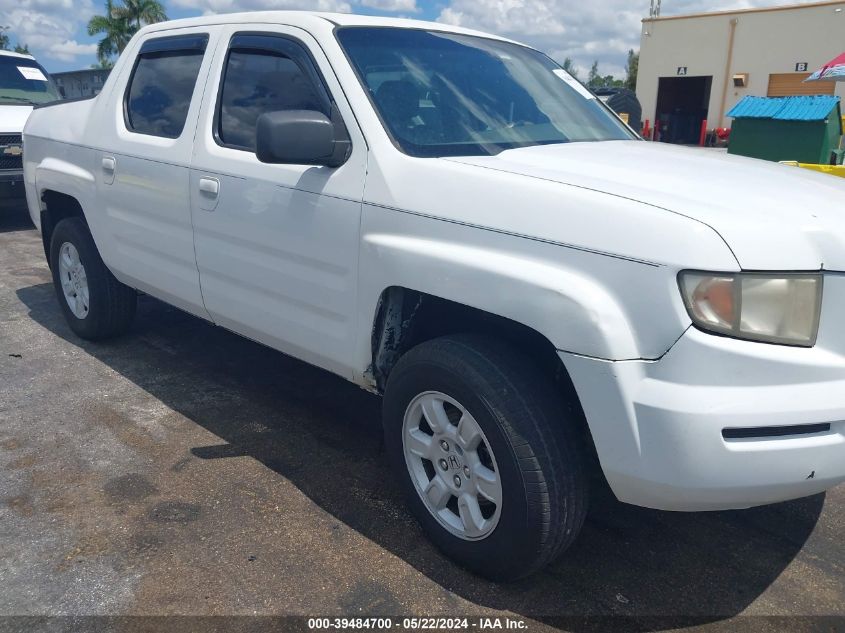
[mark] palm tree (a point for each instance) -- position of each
(103, 64)
(137, 11)
(117, 32)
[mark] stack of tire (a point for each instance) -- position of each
(623, 101)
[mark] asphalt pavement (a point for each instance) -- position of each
(184, 471)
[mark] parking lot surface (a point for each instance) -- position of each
(183, 470)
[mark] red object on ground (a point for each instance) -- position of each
(646, 129)
(723, 133)
(702, 138)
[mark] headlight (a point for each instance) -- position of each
(773, 308)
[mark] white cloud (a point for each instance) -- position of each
(341, 6)
(69, 50)
(48, 27)
(393, 6)
(602, 30)
(230, 6)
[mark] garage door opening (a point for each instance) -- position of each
(682, 104)
(792, 84)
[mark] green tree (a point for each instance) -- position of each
(596, 80)
(593, 78)
(116, 32)
(609, 81)
(137, 12)
(103, 64)
(631, 69)
(6, 43)
(569, 67)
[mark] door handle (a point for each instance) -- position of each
(108, 164)
(211, 186)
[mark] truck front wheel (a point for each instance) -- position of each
(95, 304)
(487, 454)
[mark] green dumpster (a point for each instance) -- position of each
(806, 129)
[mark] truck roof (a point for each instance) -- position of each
(304, 18)
(13, 54)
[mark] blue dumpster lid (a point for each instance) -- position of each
(800, 108)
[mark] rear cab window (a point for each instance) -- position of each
(162, 84)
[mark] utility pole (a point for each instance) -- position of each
(654, 9)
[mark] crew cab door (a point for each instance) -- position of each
(143, 172)
(276, 244)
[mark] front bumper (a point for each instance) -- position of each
(658, 425)
(11, 185)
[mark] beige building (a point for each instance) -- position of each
(697, 67)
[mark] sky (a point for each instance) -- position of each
(586, 30)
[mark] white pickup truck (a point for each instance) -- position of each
(449, 219)
(23, 84)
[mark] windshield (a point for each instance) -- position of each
(442, 94)
(24, 81)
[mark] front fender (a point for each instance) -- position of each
(584, 302)
(535, 293)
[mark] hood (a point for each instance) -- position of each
(773, 217)
(13, 118)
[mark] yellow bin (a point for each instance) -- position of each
(833, 170)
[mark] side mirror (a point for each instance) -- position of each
(300, 137)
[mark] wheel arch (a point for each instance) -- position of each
(406, 317)
(55, 207)
(63, 190)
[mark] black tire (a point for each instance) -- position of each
(530, 431)
(112, 304)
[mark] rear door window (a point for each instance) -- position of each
(162, 85)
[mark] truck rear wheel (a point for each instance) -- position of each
(95, 304)
(488, 457)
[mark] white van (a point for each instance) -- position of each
(23, 84)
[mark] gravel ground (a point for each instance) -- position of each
(182, 470)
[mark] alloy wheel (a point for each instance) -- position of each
(74, 281)
(452, 466)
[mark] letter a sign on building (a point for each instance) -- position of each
(682, 71)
